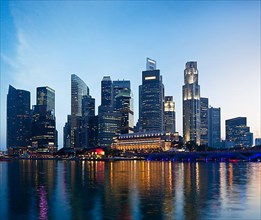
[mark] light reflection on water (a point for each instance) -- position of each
(129, 190)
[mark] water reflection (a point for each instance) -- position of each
(43, 204)
(129, 190)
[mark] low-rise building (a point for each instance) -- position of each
(145, 141)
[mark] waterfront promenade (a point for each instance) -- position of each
(244, 155)
(253, 155)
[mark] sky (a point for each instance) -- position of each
(44, 42)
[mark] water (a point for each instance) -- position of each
(129, 190)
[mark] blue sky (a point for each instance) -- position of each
(44, 42)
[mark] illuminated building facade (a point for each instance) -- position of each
(108, 127)
(143, 141)
(108, 119)
(238, 133)
(191, 104)
(214, 128)
(151, 99)
(44, 134)
(18, 118)
(169, 114)
(204, 121)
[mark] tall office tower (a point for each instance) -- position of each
(191, 104)
(18, 118)
(138, 126)
(78, 90)
(88, 113)
(88, 105)
(150, 65)
(108, 126)
(93, 132)
(117, 87)
(45, 96)
(214, 128)
(204, 121)
(44, 134)
(151, 99)
(106, 94)
(169, 115)
(67, 133)
(124, 104)
(238, 133)
(108, 120)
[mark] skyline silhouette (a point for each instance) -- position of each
(43, 43)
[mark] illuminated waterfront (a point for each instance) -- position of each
(129, 190)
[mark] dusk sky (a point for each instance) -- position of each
(44, 42)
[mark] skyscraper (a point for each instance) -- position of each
(214, 130)
(108, 127)
(67, 133)
(191, 104)
(238, 133)
(18, 118)
(117, 87)
(106, 94)
(88, 127)
(204, 121)
(45, 96)
(78, 90)
(108, 118)
(151, 99)
(44, 134)
(124, 105)
(169, 115)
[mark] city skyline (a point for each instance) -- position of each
(31, 48)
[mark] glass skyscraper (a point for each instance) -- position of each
(204, 121)
(124, 105)
(151, 99)
(108, 126)
(117, 87)
(191, 104)
(78, 90)
(238, 133)
(169, 115)
(106, 94)
(45, 96)
(88, 125)
(214, 128)
(108, 118)
(44, 134)
(18, 118)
